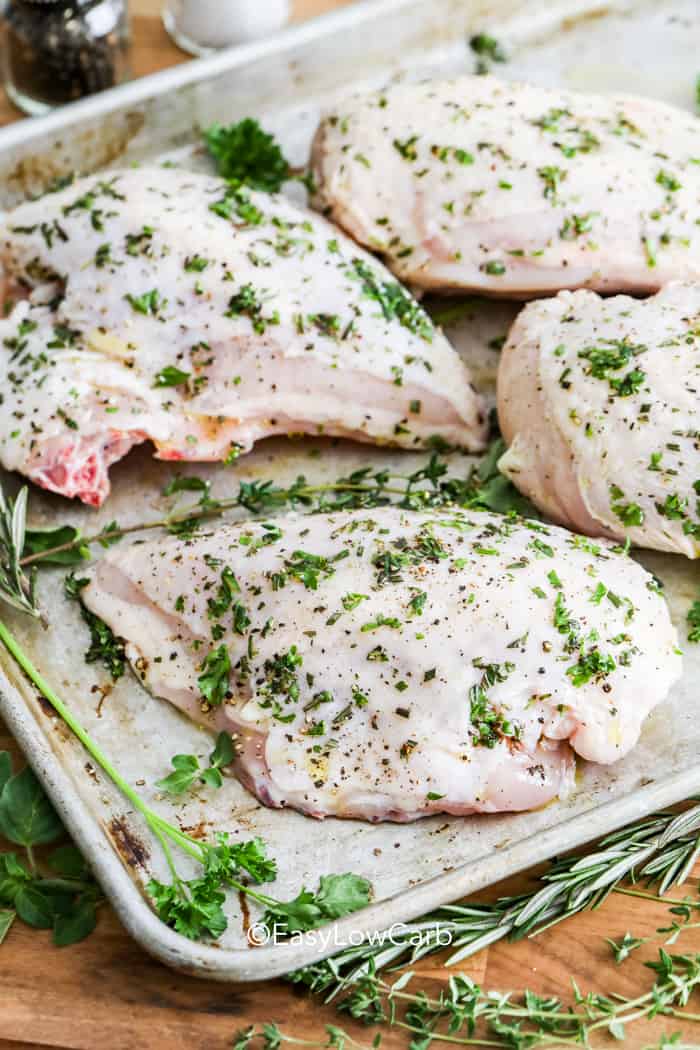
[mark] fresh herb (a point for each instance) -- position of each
(630, 514)
(337, 895)
(149, 303)
(171, 376)
(489, 723)
(465, 1014)
(244, 153)
(214, 678)
(236, 201)
(591, 665)
(187, 770)
(693, 621)
(394, 302)
(192, 907)
(105, 647)
(611, 357)
(195, 264)
(488, 50)
(309, 568)
(58, 894)
(483, 488)
(16, 586)
(41, 543)
(626, 946)
(552, 178)
(660, 849)
(245, 303)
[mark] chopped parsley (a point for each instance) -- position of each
(244, 153)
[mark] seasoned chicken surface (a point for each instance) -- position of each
(599, 400)
(515, 190)
(168, 307)
(386, 664)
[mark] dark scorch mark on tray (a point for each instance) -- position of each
(132, 851)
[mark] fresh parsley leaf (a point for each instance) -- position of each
(496, 492)
(186, 771)
(227, 861)
(214, 679)
(244, 153)
(340, 895)
(693, 621)
(224, 752)
(105, 646)
(171, 376)
(149, 303)
(337, 895)
(193, 909)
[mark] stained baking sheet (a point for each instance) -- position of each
(645, 47)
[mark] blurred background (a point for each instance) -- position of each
(56, 51)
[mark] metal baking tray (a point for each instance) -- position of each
(644, 47)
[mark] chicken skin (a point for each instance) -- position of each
(385, 664)
(513, 190)
(599, 401)
(168, 306)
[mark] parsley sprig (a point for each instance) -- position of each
(244, 153)
(193, 907)
(187, 770)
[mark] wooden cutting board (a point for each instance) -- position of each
(106, 993)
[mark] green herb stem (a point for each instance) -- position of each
(155, 822)
(195, 513)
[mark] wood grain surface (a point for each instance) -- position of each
(106, 993)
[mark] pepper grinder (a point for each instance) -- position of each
(57, 51)
(201, 27)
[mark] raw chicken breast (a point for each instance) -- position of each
(599, 400)
(515, 190)
(203, 318)
(386, 664)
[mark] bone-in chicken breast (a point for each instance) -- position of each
(386, 664)
(168, 307)
(599, 400)
(514, 190)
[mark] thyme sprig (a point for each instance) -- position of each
(661, 849)
(466, 1015)
(430, 486)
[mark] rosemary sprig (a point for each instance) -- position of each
(16, 587)
(466, 1015)
(661, 849)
